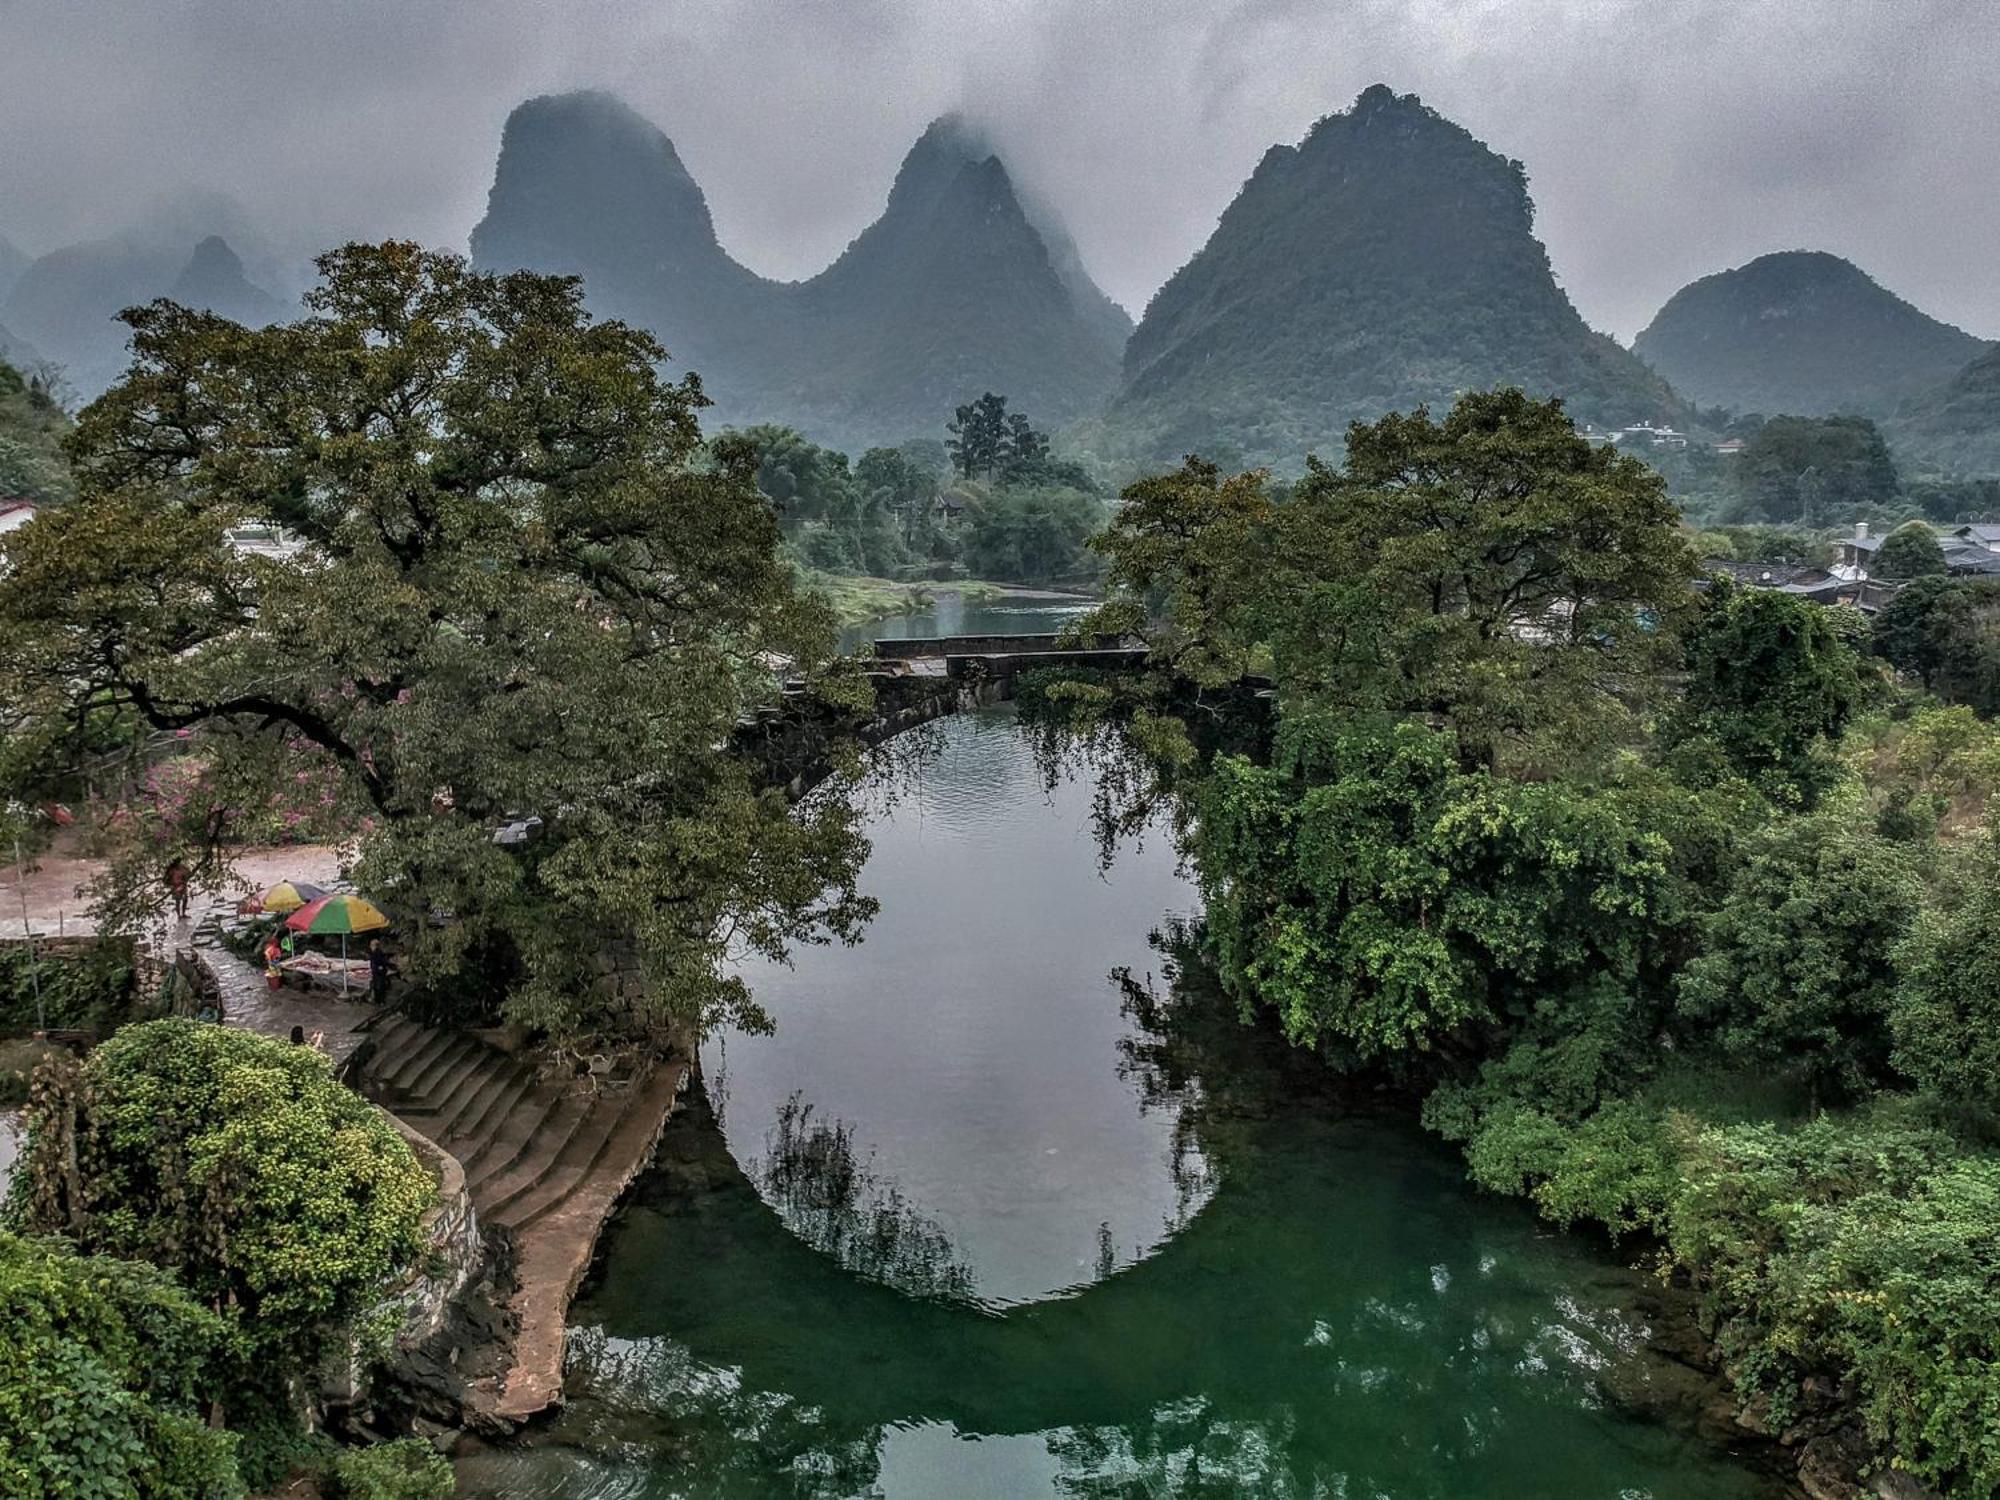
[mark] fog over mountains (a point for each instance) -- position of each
(957, 288)
(1387, 259)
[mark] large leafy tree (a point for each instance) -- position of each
(1813, 471)
(1772, 680)
(1490, 572)
(1910, 551)
(524, 587)
(1797, 967)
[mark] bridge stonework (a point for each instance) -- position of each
(915, 681)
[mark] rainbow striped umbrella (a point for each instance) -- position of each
(339, 913)
(285, 896)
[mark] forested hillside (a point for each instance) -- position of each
(1956, 427)
(1801, 333)
(1387, 260)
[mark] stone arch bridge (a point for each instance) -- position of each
(915, 681)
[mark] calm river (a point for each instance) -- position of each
(976, 1222)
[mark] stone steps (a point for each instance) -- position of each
(544, 1160)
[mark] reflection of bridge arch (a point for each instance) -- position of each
(1351, 1315)
(914, 682)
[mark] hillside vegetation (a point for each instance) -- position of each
(1386, 261)
(1801, 333)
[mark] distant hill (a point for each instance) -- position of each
(213, 280)
(1803, 333)
(1955, 427)
(1388, 259)
(958, 288)
(13, 261)
(955, 290)
(65, 304)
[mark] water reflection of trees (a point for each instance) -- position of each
(739, 1439)
(837, 1203)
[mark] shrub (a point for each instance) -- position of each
(240, 1164)
(105, 1367)
(88, 988)
(407, 1469)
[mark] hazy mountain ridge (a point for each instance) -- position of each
(64, 306)
(1955, 427)
(953, 290)
(1801, 332)
(1386, 260)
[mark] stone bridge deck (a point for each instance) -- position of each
(915, 681)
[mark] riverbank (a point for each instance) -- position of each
(861, 600)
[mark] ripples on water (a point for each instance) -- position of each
(966, 1229)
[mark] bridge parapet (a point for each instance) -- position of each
(997, 645)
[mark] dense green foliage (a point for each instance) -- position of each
(959, 286)
(407, 1469)
(1771, 682)
(1631, 886)
(106, 1372)
(32, 466)
(1910, 551)
(1385, 261)
(1796, 967)
(1813, 471)
(87, 989)
(1945, 633)
(1490, 571)
(1801, 332)
(1013, 512)
(526, 588)
(276, 1195)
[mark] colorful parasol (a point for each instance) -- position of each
(339, 913)
(285, 896)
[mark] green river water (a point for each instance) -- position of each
(976, 1222)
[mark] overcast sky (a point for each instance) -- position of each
(1664, 139)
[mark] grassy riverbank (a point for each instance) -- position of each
(858, 598)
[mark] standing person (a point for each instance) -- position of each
(379, 969)
(177, 886)
(274, 957)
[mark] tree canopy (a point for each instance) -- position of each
(1910, 551)
(522, 588)
(1491, 572)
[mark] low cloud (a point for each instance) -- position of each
(1664, 140)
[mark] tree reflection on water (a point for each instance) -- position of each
(834, 1201)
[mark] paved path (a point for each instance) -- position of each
(250, 1004)
(53, 881)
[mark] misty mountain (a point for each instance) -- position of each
(65, 305)
(1386, 260)
(1800, 332)
(13, 261)
(1955, 427)
(586, 187)
(958, 288)
(214, 281)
